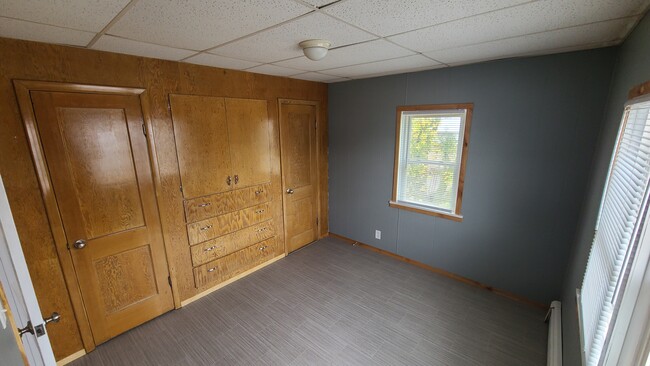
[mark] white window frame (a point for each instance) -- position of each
(627, 338)
(403, 116)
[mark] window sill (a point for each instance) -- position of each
(425, 211)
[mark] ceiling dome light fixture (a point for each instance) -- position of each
(315, 49)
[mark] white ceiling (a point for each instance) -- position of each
(369, 37)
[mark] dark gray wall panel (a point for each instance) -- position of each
(632, 68)
(534, 130)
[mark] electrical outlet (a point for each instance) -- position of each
(378, 234)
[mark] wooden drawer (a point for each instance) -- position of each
(220, 225)
(218, 204)
(231, 265)
(223, 245)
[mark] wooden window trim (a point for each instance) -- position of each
(639, 90)
(456, 216)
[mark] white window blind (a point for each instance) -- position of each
(624, 200)
(430, 150)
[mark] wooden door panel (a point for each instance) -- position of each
(298, 167)
(103, 175)
(299, 173)
(125, 278)
(249, 129)
(201, 133)
(99, 165)
(300, 225)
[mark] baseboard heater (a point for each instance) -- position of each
(554, 319)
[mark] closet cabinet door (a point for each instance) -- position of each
(248, 128)
(201, 132)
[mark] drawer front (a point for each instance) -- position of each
(218, 204)
(223, 245)
(233, 264)
(220, 225)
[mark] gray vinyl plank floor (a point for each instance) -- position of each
(335, 304)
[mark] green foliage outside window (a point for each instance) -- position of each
(432, 142)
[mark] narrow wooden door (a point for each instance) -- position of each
(299, 173)
(201, 133)
(98, 162)
(248, 130)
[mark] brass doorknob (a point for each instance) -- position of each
(290, 191)
(80, 244)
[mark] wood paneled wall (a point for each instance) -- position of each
(37, 61)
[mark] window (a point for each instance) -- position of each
(623, 210)
(430, 157)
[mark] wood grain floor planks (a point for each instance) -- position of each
(335, 304)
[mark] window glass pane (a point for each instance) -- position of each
(429, 158)
(618, 231)
(429, 185)
(433, 137)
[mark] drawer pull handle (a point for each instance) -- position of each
(205, 204)
(210, 249)
(259, 211)
(263, 247)
(212, 269)
(262, 229)
(206, 227)
(260, 191)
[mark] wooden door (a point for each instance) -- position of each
(248, 130)
(299, 173)
(98, 162)
(201, 133)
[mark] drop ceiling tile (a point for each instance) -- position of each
(207, 59)
(351, 55)
(274, 70)
(281, 43)
(202, 24)
(319, 3)
(394, 66)
(19, 29)
(390, 17)
(121, 45)
(586, 36)
(531, 18)
(88, 15)
(316, 76)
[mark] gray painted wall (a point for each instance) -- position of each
(535, 127)
(632, 68)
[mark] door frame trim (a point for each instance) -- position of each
(316, 105)
(23, 88)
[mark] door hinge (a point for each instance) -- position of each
(144, 130)
(169, 280)
(181, 187)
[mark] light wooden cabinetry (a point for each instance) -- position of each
(236, 263)
(222, 143)
(224, 156)
(217, 204)
(201, 133)
(248, 135)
